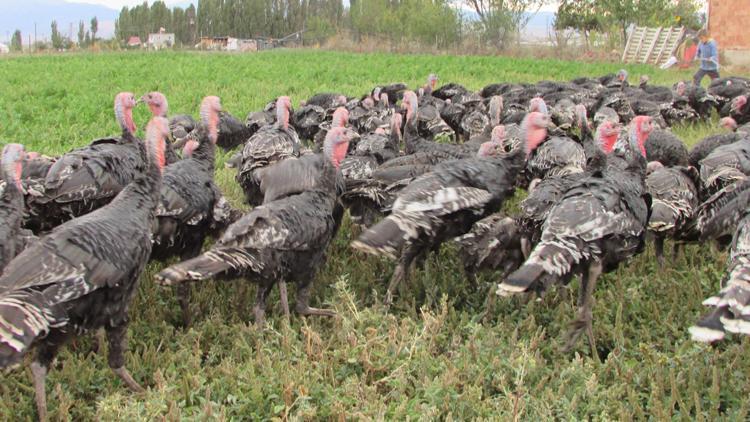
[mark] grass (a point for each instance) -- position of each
(429, 357)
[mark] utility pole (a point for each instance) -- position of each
(34, 36)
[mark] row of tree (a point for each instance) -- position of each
(86, 37)
(589, 16)
(442, 23)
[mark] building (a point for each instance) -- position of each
(213, 43)
(728, 24)
(134, 42)
(4, 49)
(161, 40)
(241, 45)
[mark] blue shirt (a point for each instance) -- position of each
(706, 51)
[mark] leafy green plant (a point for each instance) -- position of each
(428, 357)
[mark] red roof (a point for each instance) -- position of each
(134, 41)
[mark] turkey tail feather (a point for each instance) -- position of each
(208, 265)
(385, 238)
(25, 315)
(549, 259)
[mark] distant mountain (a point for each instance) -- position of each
(22, 15)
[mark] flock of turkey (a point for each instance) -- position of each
(596, 155)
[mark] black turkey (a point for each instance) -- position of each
(674, 198)
(232, 132)
(597, 224)
(188, 196)
(739, 110)
(441, 205)
(90, 275)
(307, 119)
(327, 101)
(663, 146)
(553, 156)
(492, 244)
(36, 166)
(269, 145)
(725, 165)
(282, 240)
(339, 118)
(706, 145)
(14, 237)
(87, 178)
(731, 306)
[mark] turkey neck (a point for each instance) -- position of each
(11, 197)
(205, 153)
(411, 135)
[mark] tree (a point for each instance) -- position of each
(81, 35)
(501, 20)
(94, 28)
(87, 38)
(16, 43)
(56, 38)
(580, 15)
(623, 13)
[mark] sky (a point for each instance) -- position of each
(118, 4)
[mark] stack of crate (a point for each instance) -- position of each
(652, 45)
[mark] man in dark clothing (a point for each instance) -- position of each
(708, 54)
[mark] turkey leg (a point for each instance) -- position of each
(401, 273)
(659, 249)
(584, 320)
(303, 300)
(183, 297)
(259, 309)
(45, 355)
(183, 289)
(117, 337)
(284, 299)
(39, 373)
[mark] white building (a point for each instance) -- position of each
(160, 40)
(4, 49)
(237, 44)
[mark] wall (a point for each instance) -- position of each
(729, 24)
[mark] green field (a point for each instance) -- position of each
(430, 357)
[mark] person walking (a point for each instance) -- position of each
(708, 54)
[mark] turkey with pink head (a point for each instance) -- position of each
(87, 178)
(285, 239)
(89, 277)
(271, 144)
(599, 222)
(443, 204)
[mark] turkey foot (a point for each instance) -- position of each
(39, 373)
(117, 346)
(303, 307)
(585, 314)
(125, 376)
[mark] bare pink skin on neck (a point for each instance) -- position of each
(607, 137)
(535, 133)
(283, 104)
(728, 123)
(340, 117)
(643, 129)
(339, 153)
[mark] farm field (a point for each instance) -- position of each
(431, 356)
